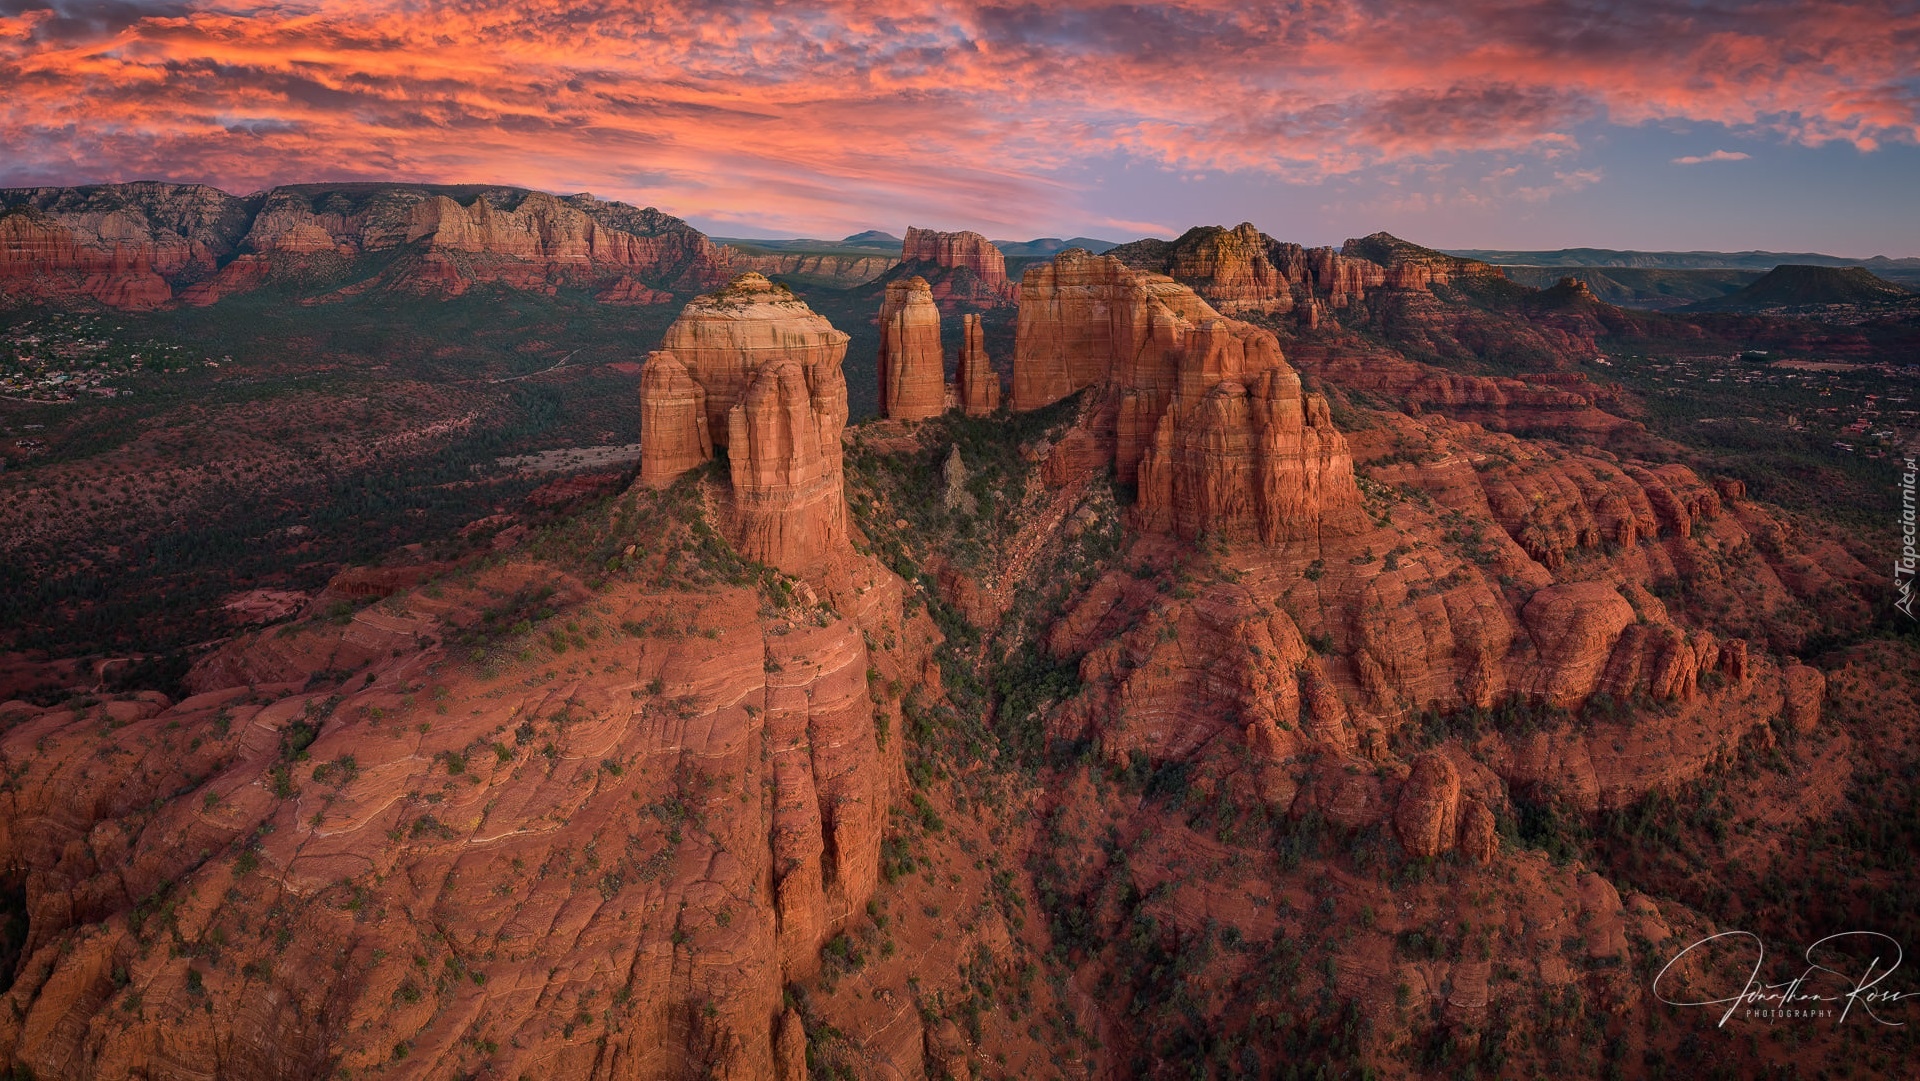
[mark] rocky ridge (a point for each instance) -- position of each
(150, 244)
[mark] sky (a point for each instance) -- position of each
(1711, 124)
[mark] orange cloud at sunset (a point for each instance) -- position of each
(784, 115)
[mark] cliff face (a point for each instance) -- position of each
(836, 271)
(673, 421)
(1233, 269)
(962, 268)
(978, 385)
(784, 445)
(724, 337)
(953, 250)
(443, 866)
(1204, 411)
(147, 244)
(122, 245)
(912, 369)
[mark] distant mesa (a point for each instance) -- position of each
(1794, 286)
(147, 245)
(1047, 247)
(960, 268)
(873, 238)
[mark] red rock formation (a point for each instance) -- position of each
(624, 290)
(681, 830)
(136, 245)
(1341, 279)
(837, 271)
(784, 447)
(912, 369)
(978, 383)
(724, 337)
(1427, 816)
(1260, 460)
(1205, 411)
(1806, 688)
(953, 250)
(1574, 628)
(1233, 269)
(673, 421)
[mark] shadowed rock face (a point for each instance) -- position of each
(978, 383)
(724, 337)
(673, 421)
(912, 369)
(1206, 415)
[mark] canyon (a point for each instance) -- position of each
(1309, 661)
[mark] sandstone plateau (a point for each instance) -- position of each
(964, 268)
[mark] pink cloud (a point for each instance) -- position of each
(1718, 155)
(832, 112)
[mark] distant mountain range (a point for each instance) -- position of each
(875, 240)
(1678, 260)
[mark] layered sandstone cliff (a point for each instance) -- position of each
(1205, 413)
(977, 384)
(912, 369)
(836, 271)
(145, 244)
(673, 421)
(724, 337)
(445, 867)
(962, 268)
(784, 446)
(953, 250)
(122, 245)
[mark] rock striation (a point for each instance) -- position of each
(726, 336)
(755, 370)
(978, 384)
(673, 421)
(962, 268)
(954, 250)
(783, 443)
(146, 244)
(1207, 417)
(912, 370)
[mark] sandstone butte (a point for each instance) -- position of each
(753, 369)
(977, 384)
(147, 244)
(725, 336)
(962, 267)
(1204, 413)
(912, 368)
